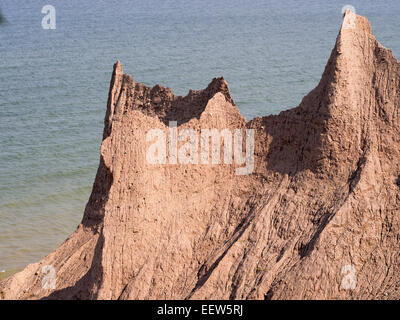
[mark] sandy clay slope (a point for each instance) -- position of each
(319, 217)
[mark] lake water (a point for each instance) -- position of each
(54, 86)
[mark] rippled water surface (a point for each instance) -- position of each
(54, 85)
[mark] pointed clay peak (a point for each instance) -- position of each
(220, 85)
(118, 68)
(113, 94)
(355, 40)
(355, 22)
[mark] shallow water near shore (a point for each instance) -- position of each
(54, 86)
